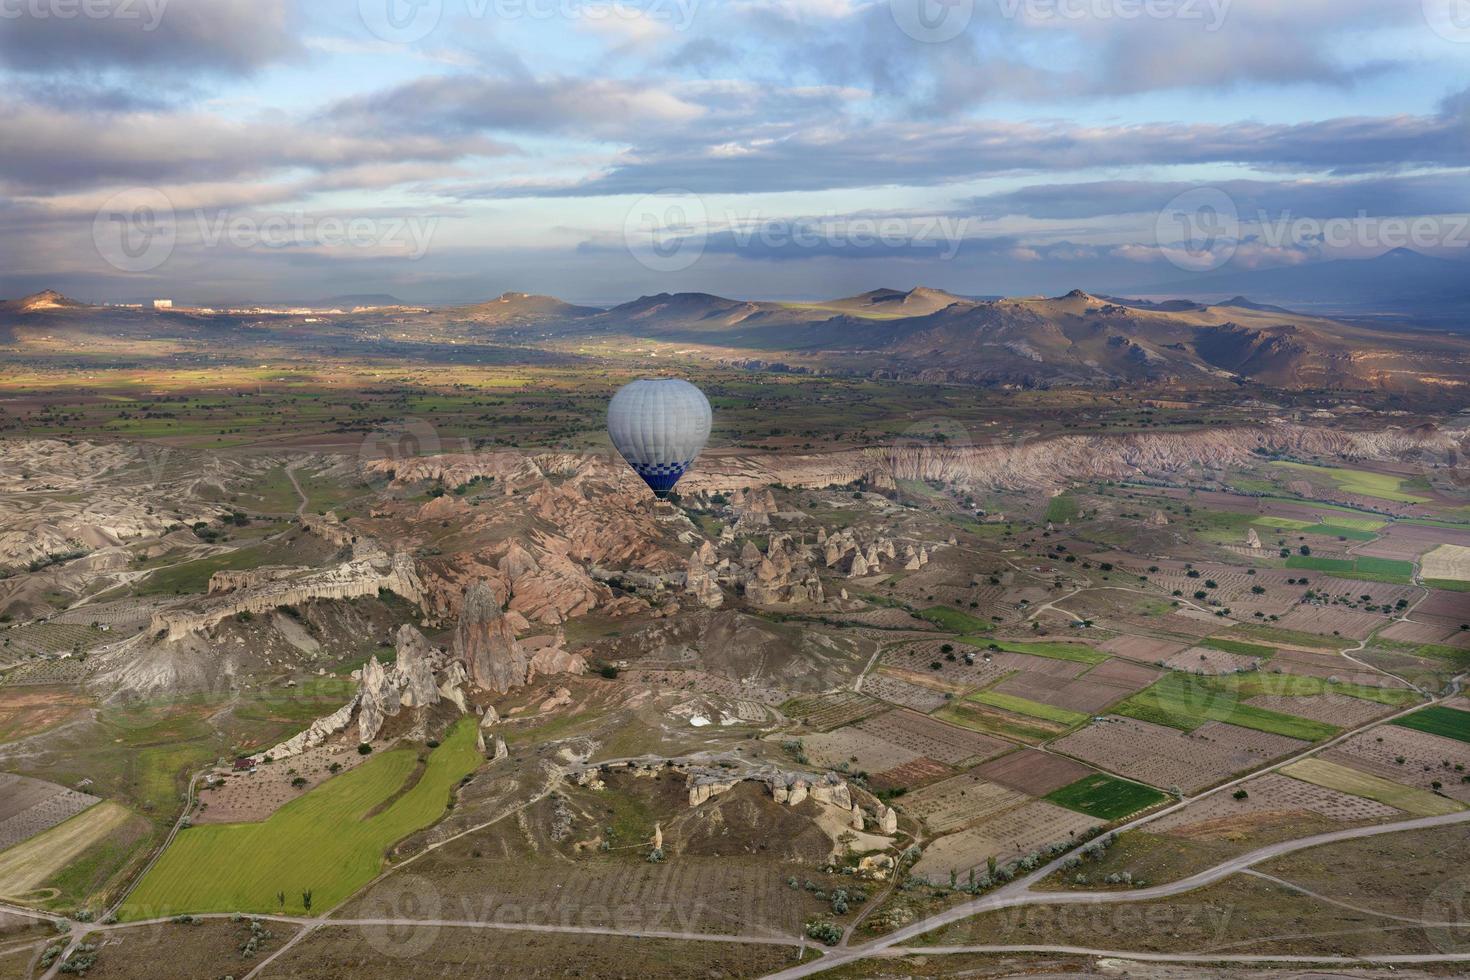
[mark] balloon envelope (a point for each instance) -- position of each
(659, 426)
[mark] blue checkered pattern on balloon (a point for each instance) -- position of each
(661, 476)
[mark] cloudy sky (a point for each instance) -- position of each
(447, 150)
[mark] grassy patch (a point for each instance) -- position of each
(1439, 720)
(1345, 779)
(953, 620)
(1382, 486)
(1187, 701)
(1025, 706)
(330, 841)
(1284, 637)
(1106, 797)
(1448, 584)
(1329, 530)
(1062, 508)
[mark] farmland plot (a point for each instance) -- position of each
(1166, 757)
(1333, 708)
(1089, 693)
(910, 774)
(1449, 608)
(859, 749)
(909, 693)
(1007, 837)
(933, 739)
(1033, 771)
(1347, 779)
(30, 806)
(1427, 759)
(1408, 631)
(1329, 665)
(1332, 621)
(1144, 649)
(1207, 660)
(960, 800)
(1272, 794)
(828, 711)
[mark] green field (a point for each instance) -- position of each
(1025, 706)
(1186, 701)
(1388, 570)
(1333, 530)
(1448, 584)
(1061, 509)
(1439, 720)
(1380, 485)
(331, 841)
(1075, 652)
(1105, 797)
(953, 620)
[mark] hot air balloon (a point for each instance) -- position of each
(659, 425)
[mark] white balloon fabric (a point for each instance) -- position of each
(659, 425)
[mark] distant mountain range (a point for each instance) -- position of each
(1401, 281)
(929, 334)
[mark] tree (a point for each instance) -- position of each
(306, 900)
(281, 900)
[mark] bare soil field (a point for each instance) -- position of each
(959, 801)
(30, 806)
(1427, 758)
(341, 953)
(1144, 649)
(896, 689)
(1166, 757)
(1450, 608)
(29, 710)
(1408, 631)
(1333, 708)
(1033, 772)
(925, 736)
(1270, 794)
(178, 951)
(859, 749)
(1405, 542)
(909, 775)
(1332, 621)
(1207, 660)
(1007, 837)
